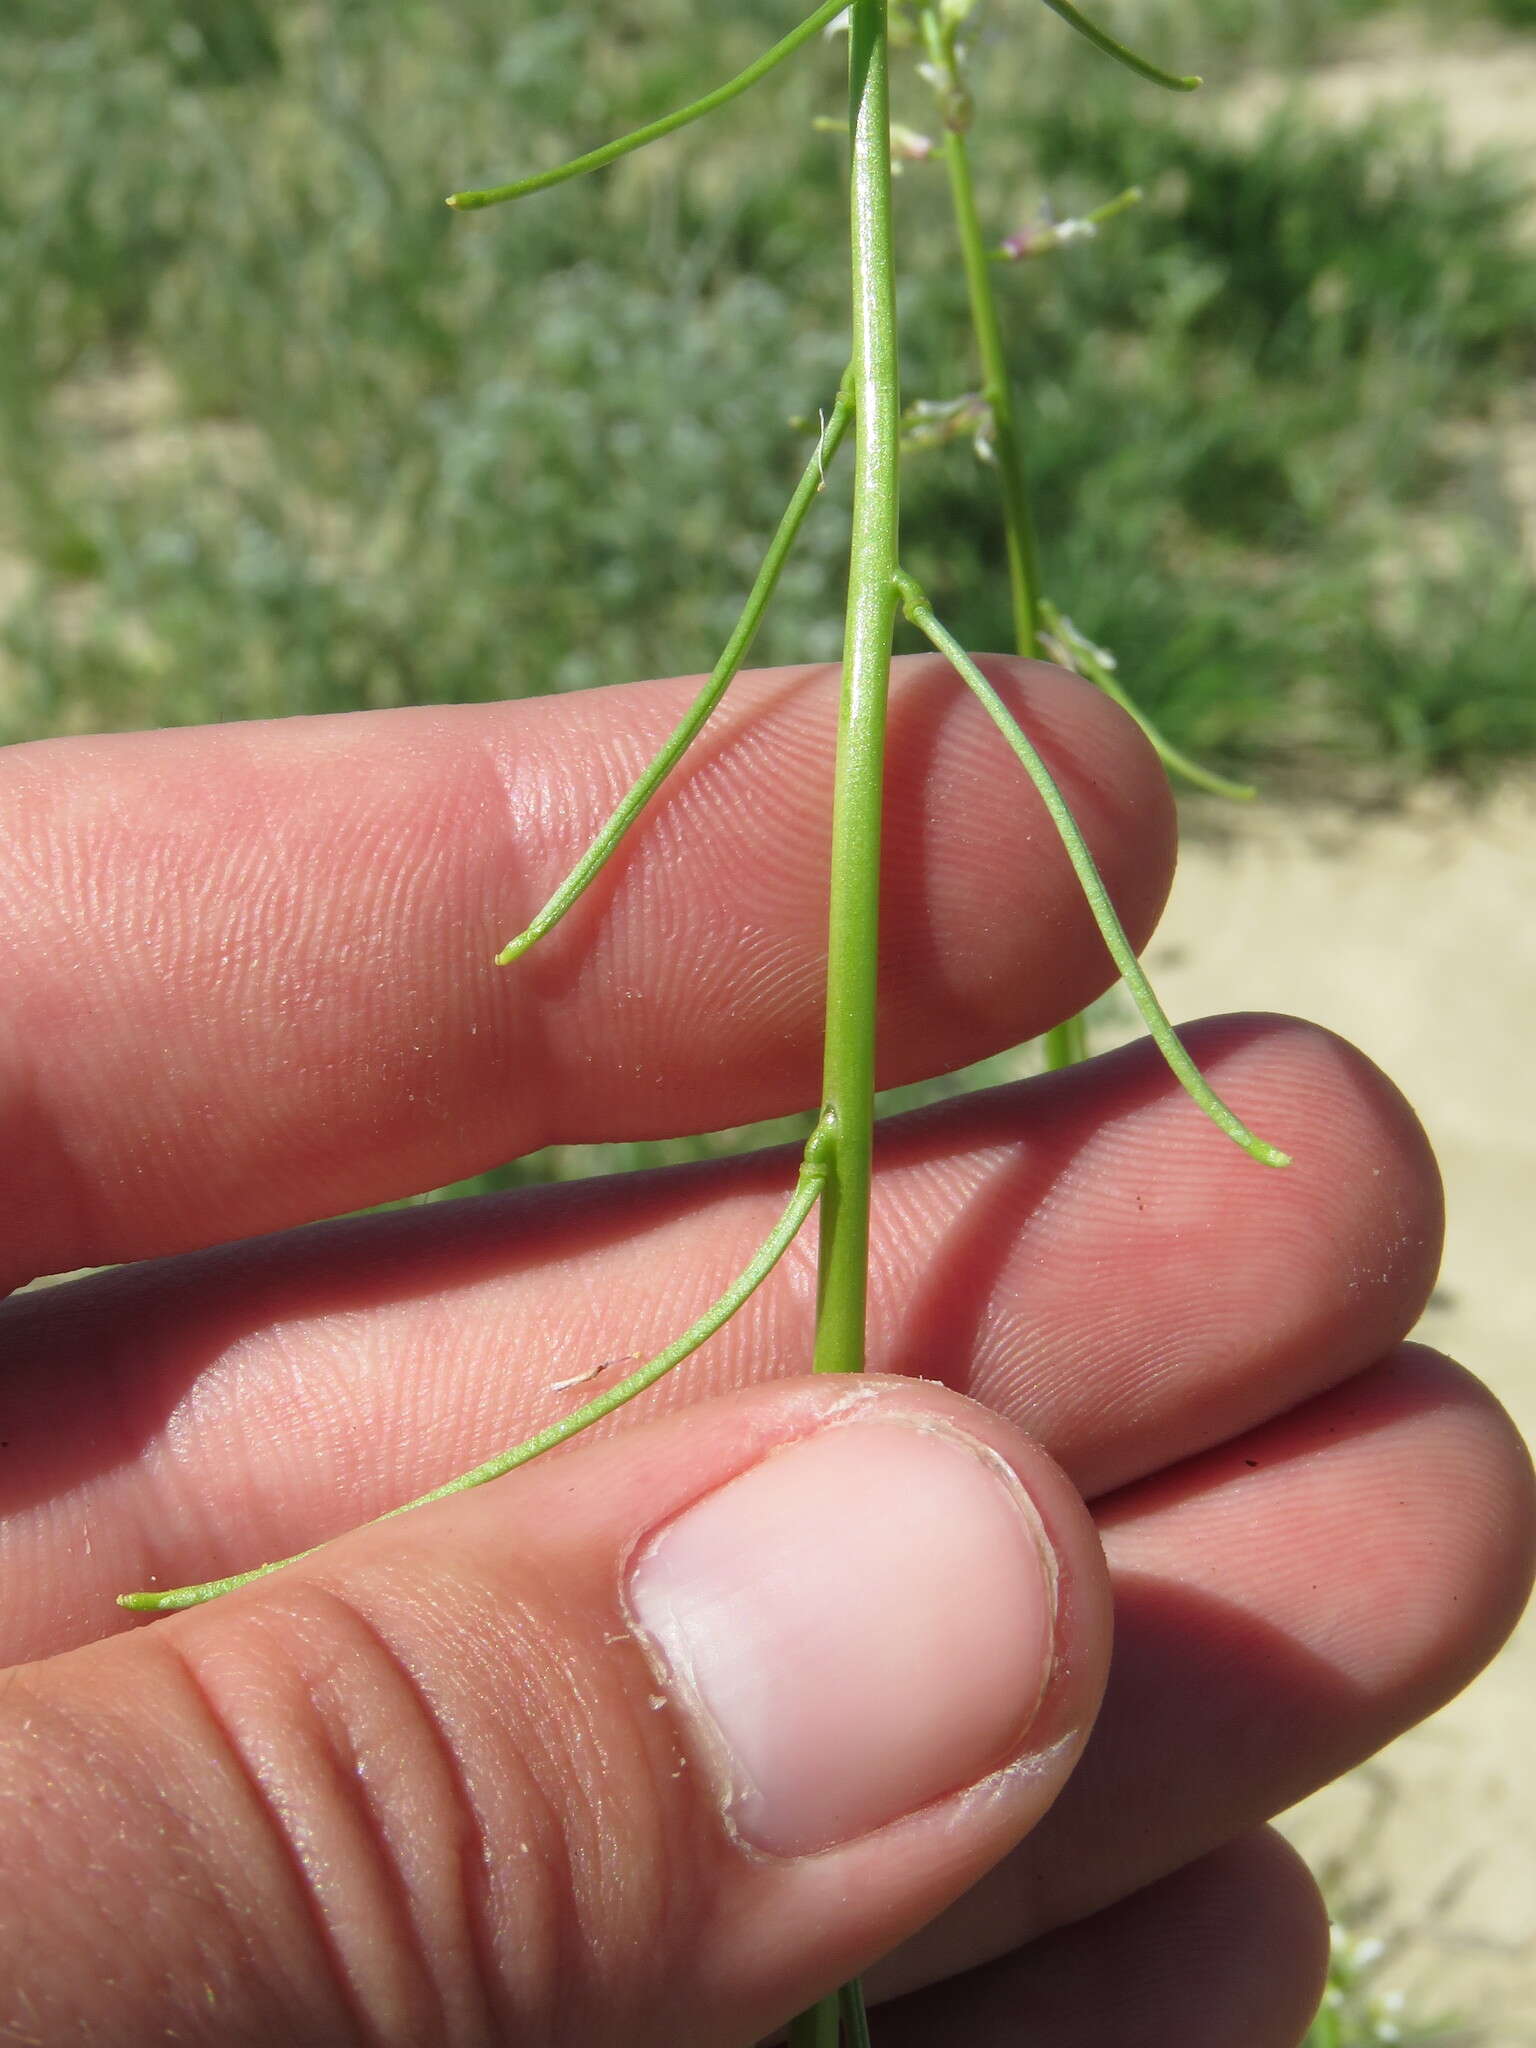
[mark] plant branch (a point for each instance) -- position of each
(944, 70)
(918, 609)
(610, 152)
(997, 389)
(808, 1187)
(1067, 1042)
(1102, 40)
(1074, 650)
(689, 726)
(1044, 240)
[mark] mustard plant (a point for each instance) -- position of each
(866, 413)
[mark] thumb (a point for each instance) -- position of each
(654, 1742)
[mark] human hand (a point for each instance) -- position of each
(434, 1784)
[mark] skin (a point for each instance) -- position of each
(248, 986)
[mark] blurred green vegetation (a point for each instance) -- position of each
(1359, 2012)
(279, 433)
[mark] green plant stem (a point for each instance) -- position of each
(1075, 651)
(853, 2016)
(997, 390)
(1065, 1044)
(854, 905)
(596, 159)
(1102, 40)
(735, 653)
(809, 1182)
(921, 613)
(821, 2027)
(853, 926)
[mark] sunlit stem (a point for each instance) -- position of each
(1065, 1044)
(854, 900)
(1101, 40)
(917, 608)
(736, 650)
(997, 389)
(853, 927)
(1068, 1042)
(610, 152)
(808, 1187)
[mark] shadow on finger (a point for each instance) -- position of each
(1230, 1949)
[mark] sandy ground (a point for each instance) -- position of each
(1410, 933)
(1477, 82)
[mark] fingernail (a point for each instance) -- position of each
(858, 1625)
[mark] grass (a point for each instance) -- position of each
(280, 434)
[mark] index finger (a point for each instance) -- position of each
(250, 979)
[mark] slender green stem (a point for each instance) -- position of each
(854, 905)
(596, 159)
(1065, 1044)
(997, 389)
(809, 1183)
(854, 2018)
(920, 612)
(1064, 643)
(941, 40)
(736, 649)
(821, 2027)
(853, 931)
(1102, 40)
(1068, 1042)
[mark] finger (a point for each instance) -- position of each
(1283, 1607)
(1082, 1254)
(566, 1762)
(1233, 1948)
(249, 980)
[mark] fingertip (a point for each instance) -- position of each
(985, 913)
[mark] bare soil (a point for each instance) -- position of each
(1410, 932)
